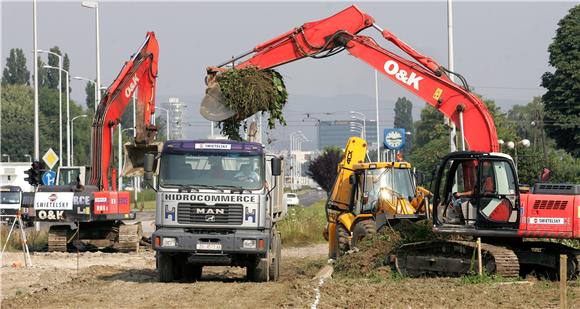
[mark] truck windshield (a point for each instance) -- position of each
(240, 170)
(396, 180)
(10, 197)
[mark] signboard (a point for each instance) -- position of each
(394, 138)
(49, 178)
(212, 146)
(50, 158)
(53, 200)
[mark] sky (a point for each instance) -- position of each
(500, 47)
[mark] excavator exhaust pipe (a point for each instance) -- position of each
(212, 106)
(135, 158)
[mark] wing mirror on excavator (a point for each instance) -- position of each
(276, 166)
(148, 169)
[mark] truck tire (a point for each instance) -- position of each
(165, 267)
(258, 271)
(191, 272)
(342, 240)
(276, 254)
(362, 229)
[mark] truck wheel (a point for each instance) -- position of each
(166, 267)
(342, 240)
(258, 272)
(276, 254)
(362, 229)
(191, 272)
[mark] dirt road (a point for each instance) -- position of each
(114, 280)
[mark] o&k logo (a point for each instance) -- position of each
(392, 68)
(131, 86)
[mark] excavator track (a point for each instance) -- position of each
(454, 258)
(129, 237)
(57, 238)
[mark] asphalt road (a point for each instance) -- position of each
(308, 198)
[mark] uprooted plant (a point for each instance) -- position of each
(248, 91)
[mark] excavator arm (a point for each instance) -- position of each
(424, 78)
(140, 72)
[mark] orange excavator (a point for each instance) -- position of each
(476, 192)
(88, 213)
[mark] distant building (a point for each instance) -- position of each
(337, 132)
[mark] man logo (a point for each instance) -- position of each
(210, 218)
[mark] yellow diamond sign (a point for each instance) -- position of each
(50, 158)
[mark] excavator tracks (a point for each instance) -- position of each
(129, 237)
(57, 238)
(454, 258)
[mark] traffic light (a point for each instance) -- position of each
(35, 173)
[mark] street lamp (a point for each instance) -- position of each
(72, 158)
(514, 145)
(362, 117)
(7, 157)
(67, 112)
(95, 5)
(29, 157)
(94, 85)
(167, 124)
(59, 99)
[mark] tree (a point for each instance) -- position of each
(52, 75)
(429, 127)
(15, 72)
(42, 74)
(90, 100)
(323, 169)
(562, 100)
(404, 118)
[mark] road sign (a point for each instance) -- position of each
(50, 158)
(394, 138)
(49, 178)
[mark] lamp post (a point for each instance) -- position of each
(29, 157)
(67, 112)
(167, 124)
(7, 157)
(72, 150)
(514, 146)
(59, 100)
(35, 61)
(94, 85)
(362, 117)
(377, 111)
(95, 5)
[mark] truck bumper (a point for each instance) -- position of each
(226, 248)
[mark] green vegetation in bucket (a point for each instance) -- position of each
(248, 91)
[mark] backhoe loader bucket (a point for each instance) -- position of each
(212, 106)
(135, 158)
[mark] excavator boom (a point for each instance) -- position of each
(424, 78)
(140, 72)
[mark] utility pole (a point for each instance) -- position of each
(36, 117)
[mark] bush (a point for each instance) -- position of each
(303, 226)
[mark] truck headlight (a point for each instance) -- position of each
(168, 242)
(249, 244)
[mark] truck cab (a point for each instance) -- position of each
(10, 202)
(217, 204)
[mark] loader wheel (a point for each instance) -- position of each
(191, 272)
(342, 240)
(362, 229)
(166, 267)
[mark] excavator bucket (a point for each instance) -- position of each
(212, 106)
(135, 157)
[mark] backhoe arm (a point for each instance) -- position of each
(140, 72)
(424, 78)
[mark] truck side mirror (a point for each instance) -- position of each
(148, 166)
(276, 166)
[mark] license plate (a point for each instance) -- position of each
(209, 246)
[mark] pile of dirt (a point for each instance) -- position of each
(248, 91)
(371, 256)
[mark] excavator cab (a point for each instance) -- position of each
(477, 193)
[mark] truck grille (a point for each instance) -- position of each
(205, 214)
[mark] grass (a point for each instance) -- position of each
(303, 226)
(483, 279)
(36, 240)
